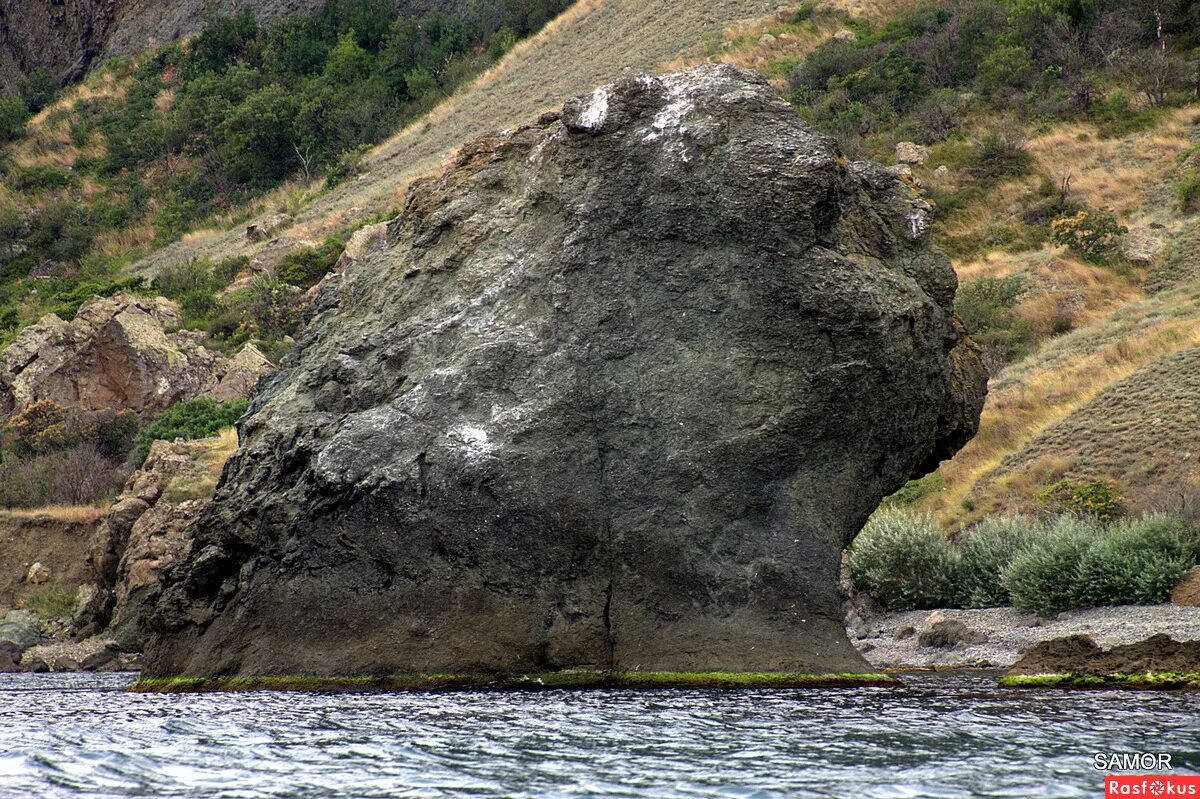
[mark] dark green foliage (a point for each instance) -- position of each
(198, 418)
(1025, 59)
(985, 306)
(74, 294)
(1000, 155)
(37, 89)
(41, 178)
(204, 126)
(305, 267)
(13, 116)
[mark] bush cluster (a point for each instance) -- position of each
(1051, 58)
(198, 418)
(50, 455)
(986, 307)
(202, 127)
(1094, 235)
(904, 562)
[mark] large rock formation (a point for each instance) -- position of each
(115, 353)
(617, 394)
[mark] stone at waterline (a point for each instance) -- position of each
(616, 394)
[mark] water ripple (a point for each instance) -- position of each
(940, 736)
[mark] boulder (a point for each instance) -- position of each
(1187, 591)
(114, 354)
(266, 227)
(910, 153)
(621, 389)
(1080, 654)
(1146, 246)
(242, 374)
(21, 629)
(38, 574)
(939, 632)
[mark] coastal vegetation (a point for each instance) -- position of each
(1068, 560)
(51, 455)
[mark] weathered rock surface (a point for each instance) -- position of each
(147, 530)
(910, 153)
(1079, 654)
(617, 395)
(19, 631)
(116, 354)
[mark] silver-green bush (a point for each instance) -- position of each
(1134, 562)
(1040, 577)
(904, 562)
(986, 551)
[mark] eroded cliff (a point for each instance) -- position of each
(616, 395)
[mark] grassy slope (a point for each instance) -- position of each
(1097, 402)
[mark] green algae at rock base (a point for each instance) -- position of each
(510, 682)
(1150, 681)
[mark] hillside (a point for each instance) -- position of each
(1028, 150)
(593, 41)
(67, 39)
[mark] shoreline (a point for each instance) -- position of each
(997, 637)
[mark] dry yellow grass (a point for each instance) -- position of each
(1051, 385)
(1115, 173)
(209, 456)
(77, 514)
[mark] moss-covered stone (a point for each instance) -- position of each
(510, 682)
(1151, 681)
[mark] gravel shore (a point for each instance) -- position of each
(886, 642)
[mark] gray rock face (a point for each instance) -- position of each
(617, 393)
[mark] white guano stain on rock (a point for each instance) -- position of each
(596, 112)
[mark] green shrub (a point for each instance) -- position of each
(306, 267)
(904, 562)
(42, 178)
(986, 550)
(1187, 192)
(198, 418)
(1093, 235)
(1097, 499)
(1040, 577)
(985, 306)
(13, 116)
(1001, 154)
(1134, 562)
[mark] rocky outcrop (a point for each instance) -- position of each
(617, 394)
(68, 37)
(146, 531)
(1079, 654)
(116, 354)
